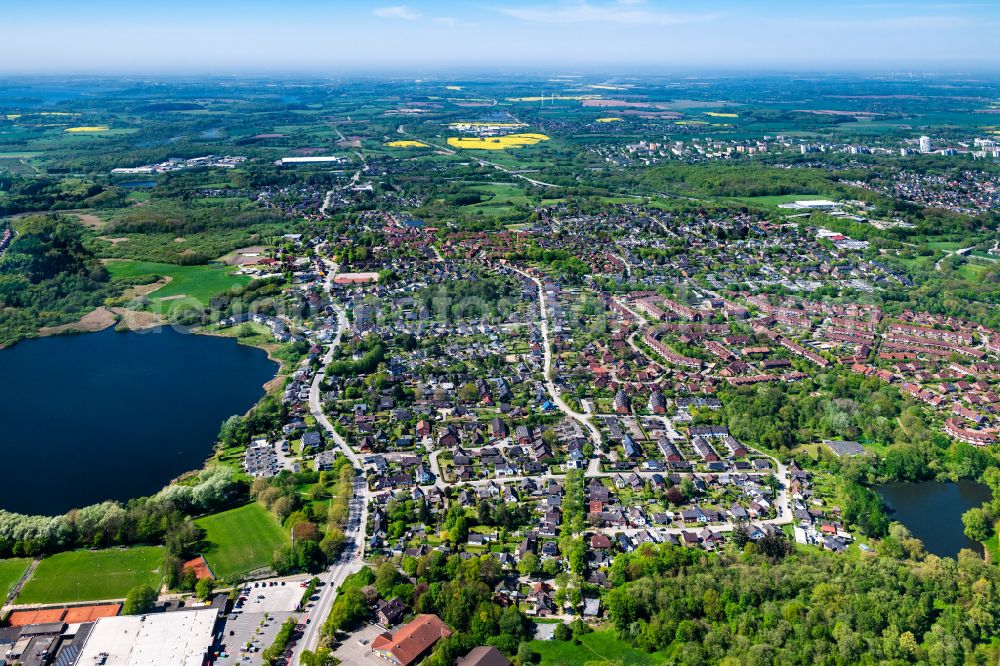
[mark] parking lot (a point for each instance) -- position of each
(274, 598)
(357, 648)
(258, 621)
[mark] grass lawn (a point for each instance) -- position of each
(992, 549)
(10, 572)
(92, 575)
(200, 283)
(944, 246)
(973, 272)
(241, 540)
(597, 647)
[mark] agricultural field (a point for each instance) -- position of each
(10, 572)
(92, 575)
(496, 142)
(406, 144)
(187, 283)
(241, 540)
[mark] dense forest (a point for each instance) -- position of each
(48, 277)
(746, 608)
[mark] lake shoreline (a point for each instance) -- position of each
(932, 511)
(117, 384)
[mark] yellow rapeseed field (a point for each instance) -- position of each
(716, 114)
(496, 142)
(89, 128)
(608, 120)
(406, 144)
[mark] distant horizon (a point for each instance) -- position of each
(311, 37)
(431, 74)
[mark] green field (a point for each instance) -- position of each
(10, 572)
(599, 647)
(973, 272)
(241, 540)
(91, 575)
(944, 246)
(775, 200)
(187, 283)
(992, 548)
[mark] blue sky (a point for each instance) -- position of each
(341, 36)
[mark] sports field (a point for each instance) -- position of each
(241, 540)
(187, 283)
(10, 572)
(89, 575)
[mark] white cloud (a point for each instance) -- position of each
(892, 25)
(401, 12)
(449, 21)
(628, 12)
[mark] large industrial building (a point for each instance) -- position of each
(182, 638)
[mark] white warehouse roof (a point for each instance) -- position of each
(182, 638)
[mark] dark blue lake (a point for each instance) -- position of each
(86, 418)
(933, 511)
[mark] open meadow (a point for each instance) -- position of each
(187, 283)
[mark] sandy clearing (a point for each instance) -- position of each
(93, 321)
(241, 256)
(91, 221)
(113, 241)
(276, 383)
(138, 321)
(140, 290)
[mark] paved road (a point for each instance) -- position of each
(351, 557)
(350, 561)
(595, 434)
(947, 253)
(327, 202)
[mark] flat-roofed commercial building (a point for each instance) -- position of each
(181, 638)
